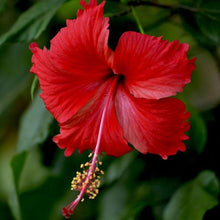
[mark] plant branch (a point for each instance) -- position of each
(164, 6)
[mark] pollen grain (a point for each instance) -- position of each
(90, 185)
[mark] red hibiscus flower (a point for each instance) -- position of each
(105, 99)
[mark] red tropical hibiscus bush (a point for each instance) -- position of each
(101, 101)
(121, 104)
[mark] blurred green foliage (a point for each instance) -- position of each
(35, 176)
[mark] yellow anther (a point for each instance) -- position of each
(89, 179)
(97, 169)
(87, 164)
(73, 187)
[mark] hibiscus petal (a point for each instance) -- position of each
(153, 68)
(81, 48)
(81, 131)
(76, 65)
(63, 93)
(154, 126)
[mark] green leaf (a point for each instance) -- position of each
(2, 4)
(113, 8)
(34, 127)
(33, 164)
(14, 75)
(14, 204)
(37, 201)
(112, 202)
(32, 22)
(5, 211)
(152, 193)
(17, 164)
(198, 131)
(68, 10)
(118, 167)
(33, 87)
(194, 198)
(124, 1)
(204, 24)
(208, 20)
(42, 202)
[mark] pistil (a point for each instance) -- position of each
(88, 181)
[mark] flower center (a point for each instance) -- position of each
(88, 181)
(121, 78)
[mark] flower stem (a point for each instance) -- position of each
(137, 20)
